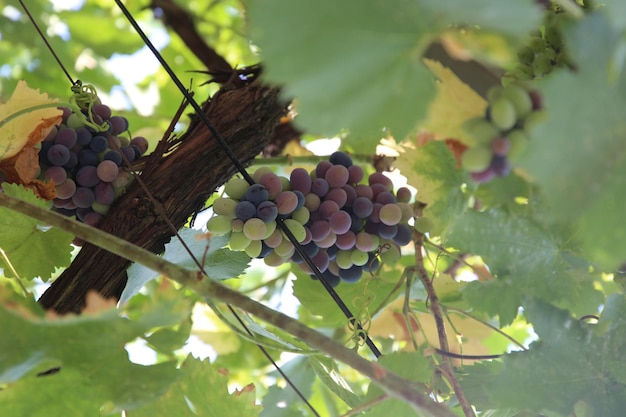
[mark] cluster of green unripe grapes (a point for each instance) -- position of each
(346, 227)
(501, 134)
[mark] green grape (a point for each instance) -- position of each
(537, 44)
(390, 214)
(542, 65)
(480, 130)
(520, 98)
(298, 231)
(523, 72)
(423, 224)
(254, 248)
(285, 183)
(553, 37)
(237, 225)
(301, 215)
(535, 118)
(344, 259)
(407, 212)
(238, 241)
(254, 228)
(236, 188)
(285, 249)
(359, 258)
(225, 207)
(270, 229)
(503, 113)
(476, 159)
(100, 208)
(494, 93)
(219, 225)
(550, 53)
(526, 55)
(256, 176)
(518, 141)
(273, 259)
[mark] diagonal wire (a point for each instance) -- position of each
(169, 222)
(231, 155)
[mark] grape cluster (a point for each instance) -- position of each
(345, 226)
(501, 134)
(83, 157)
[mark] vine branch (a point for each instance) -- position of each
(212, 290)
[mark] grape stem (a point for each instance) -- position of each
(212, 290)
(446, 367)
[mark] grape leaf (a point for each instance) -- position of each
(32, 249)
(89, 349)
(527, 261)
(328, 372)
(360, 58)
(201, 390)
(454, 103)
(432, 169)
(284, 402)
(571, 362)
(218, 263)
(579, 156)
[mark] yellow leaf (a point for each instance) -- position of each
(25, 120)
(17, 133)
(454, 103)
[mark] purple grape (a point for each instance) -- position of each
(114, 156)
(320, 187)
(332, 252)
(340, 222)
(377, 189)
(104, 193)
(372, 264)
(310, 249)
(352, 274)
(385, 197)
(73, 162)
(267, 211)
(138, 152)
(102, 110)
(387, 231)
(83, 197)
(245, 210)
(272, 183)
(321, 168)
(66, 137)
(56, 174)
(350, 194)
(375, 216)
(58, 155)
(83, 136)
(363, 190)
(118, 124)
(300, 196)
(380, 178)
(87, 176)
(337, 176)
(319, 230)
(107, 171)
(66, 189)
(355, 174)
(300, 180)
(88, 157)
(330, 278)
(82, 212)
(357, 223)
(141, 143)
(328, 241)
(327, 208)
(403, 235)
(346, 241)
(500, 165)
(52, 134)
(366, 242)
(340, 158)
(257, 193)
(338, 195)
(321, 260)
(128, 152)
(98, 144)
(92, 219)
(287, 202)
(362, 207)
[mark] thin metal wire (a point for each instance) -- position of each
(231, 155)
(43, 37)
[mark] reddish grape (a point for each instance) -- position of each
(380, 178)
(66, 137)
(141, 143)
(337, 176)
(104, 193)
(56, 174)
(319, 230)
(346, 241)
(366, 191)
(58, 155)
(355, 174)
(404, 195)
(340, 222)
(272, 183)
(338, 195)
(300, 180)
(87, 176)
(107, 171)
(66, 189)
(83, 197)
(501, 146)
(350, 194)
(286, 202)
(362, 207)
(321, 168)
(320, 187)
(327, 208)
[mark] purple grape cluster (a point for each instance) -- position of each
(345, 226)
(83, 157)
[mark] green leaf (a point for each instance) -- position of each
(411, 365)
(432, 170)
(33, 250)
(218, 263)
(571, 362)
(527, 261)
(284, 402)
(351, 64)
(89, 349)
(579, 155)
(515, 18)
(328, 372)
(201, 390)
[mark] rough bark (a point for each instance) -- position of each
(181, 181)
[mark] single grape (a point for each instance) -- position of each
(321, 168)
(366, 242)
(340, 158)
(340, 222)
(404, 195)
(319, 230)
(123, 179)
(337, 176)
(387, 231)
(267, 211)
(518, 141)
(343, 259)
(300, 181)
(56, 174)
(503, 114)
(520, 99)
(501, 146)
(119, 124)
(219, 225)
(100, 208)
(257, 193)
(128, 153)
(87, 176)
(385, 197)
(476, 159)
(390, 214)
(98, 143)
(256, 175)
(107, 171)
(74, 121)
(58, 155)
(92, 218)
(114, 156)
(66, 189)
(245, 210)
(500, 165)
(297, 230)
(350, 194)
(301, 215)
(286, 202)
(359, 258)
(253, 250)
(480, 130)
(375, 216)
(272, 183)
(236, 188)
(312, 202)
(366, 191)
(88, 157)
(273, 259)
(483, 176)
(83, 197)
(321, 260)
(225, 207)
(66, 137)
(102, 110)
(346, 241)
(403, 235)
(331, 278)
(270, 227)
(311, 249)
(73, 161)
(320, 187)
(274, 239)
(236, 225)
(300, 199)
(141, 143)
(355, 174)
(285, 249)
(351, 275)
(362, 207)
(338, 195)
(390, 254)
(105, 193)
(380, 178)
(238, 241)
(327, 208)
(265, 250)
